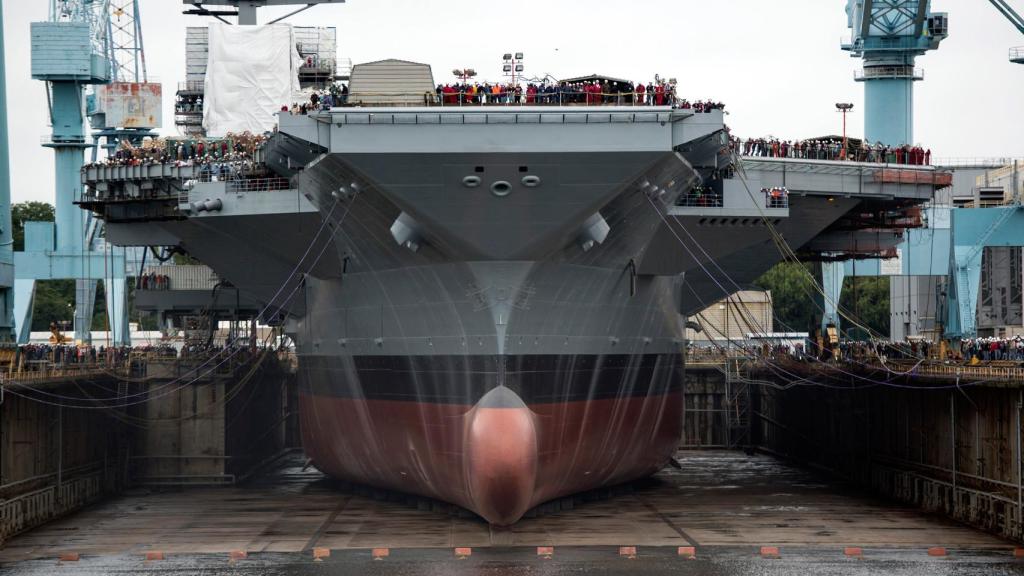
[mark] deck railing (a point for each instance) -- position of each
(560, 97)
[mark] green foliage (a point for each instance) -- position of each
(864, 298)
(54, 302)
(185, 260)
(55, 299)
(792, 290)
(28, 212)
(867, 300)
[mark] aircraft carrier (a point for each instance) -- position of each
(489, 302)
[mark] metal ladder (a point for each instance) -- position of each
(737, 406)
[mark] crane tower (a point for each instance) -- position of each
(71, 50)
(889, 35)
(6, 238)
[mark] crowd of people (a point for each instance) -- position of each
(319, 100)
(231, 156)
(154, 281)
(42, 357)
(878, 350)
(595, 92)
(188, 103)
(591, 93)
(702, 196)
(30, 355)
(832, 149)
(776, 197)
(972, 352)
(976, 350)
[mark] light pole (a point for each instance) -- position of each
(844, 107)
(464, 74)
(512, 63)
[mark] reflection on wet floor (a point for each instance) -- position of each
(727, 504)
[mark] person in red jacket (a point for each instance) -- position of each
(659, 95)
(640, 92)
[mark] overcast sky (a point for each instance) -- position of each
(775, 63)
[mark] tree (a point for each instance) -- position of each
(866, 300)
(797, 302)
(28, 212)
(54, 302)
(792, 296)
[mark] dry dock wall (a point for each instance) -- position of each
(55, 459)
(953, 451)
(168, 433)
(706, 410)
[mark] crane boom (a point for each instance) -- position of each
(1016, 54)
(1009, 13)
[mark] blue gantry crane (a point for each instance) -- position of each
(6, 238)
(889, 35)
(127, 109)
(70, 51)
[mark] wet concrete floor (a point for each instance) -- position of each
(725, 504)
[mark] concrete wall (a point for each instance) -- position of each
(954, 452)
(215, 430)
(916, 306)
(53, 459)
(704, 410)
(176, 432)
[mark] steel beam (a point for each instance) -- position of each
(6, 238)
(866, 20)
(922, 16)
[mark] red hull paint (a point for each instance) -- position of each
(496, 462)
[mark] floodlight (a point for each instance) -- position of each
(508, 56)
(507, 68)
(519, 67)
(519, 55)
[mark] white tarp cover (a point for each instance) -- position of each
(251, 73)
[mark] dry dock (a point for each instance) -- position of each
(726, 505)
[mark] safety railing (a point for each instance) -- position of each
(555, 97)
(31, 509)
(975, 162)
(1001, 373)
(701, 199)
(61, 373)
(888, 72)
(191, 86)
(776, 197)
(227, 171)
(258, 184)
(915, 367)
(914, 156)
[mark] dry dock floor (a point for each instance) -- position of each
(725, 504)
